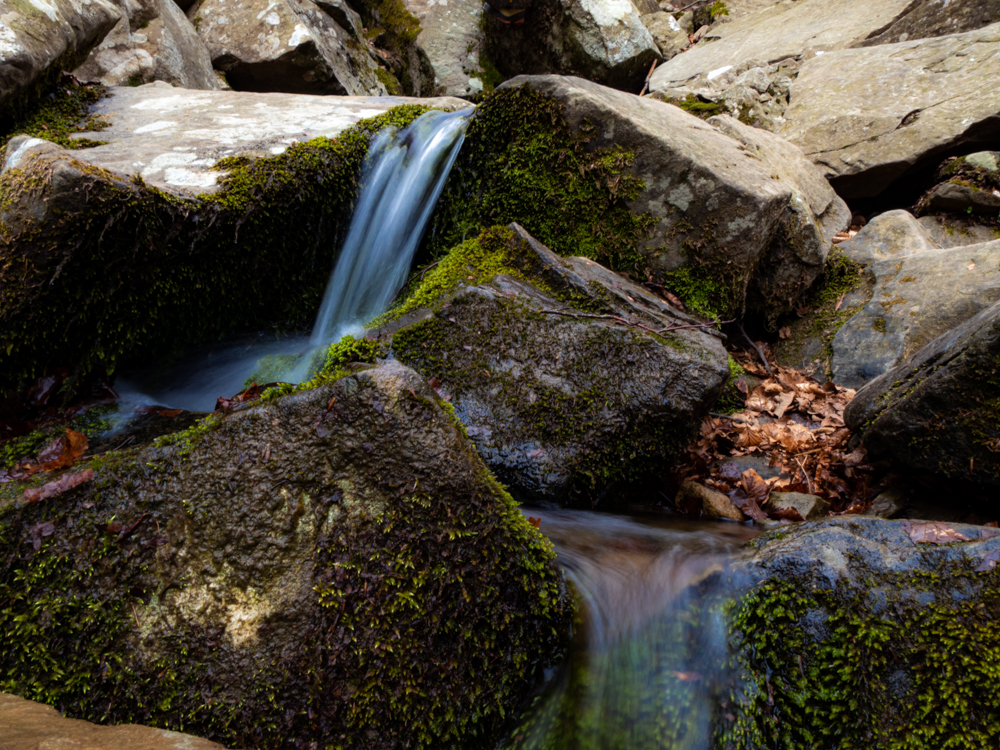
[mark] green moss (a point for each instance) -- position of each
(698, 107)
(848, 669)
(732, 399)
(879, 325)
(490, 76)
(396, 29)
(389, 81)
(63, 112)
(703, 291)
(522, 162)
(91, 422)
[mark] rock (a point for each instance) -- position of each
(809, 507)
(666, 32)
(954, 231)
(932, 18)
(933, 99)
(600, 40)
(289, 45)
(449, 39)
(40, 38)
(892, 235)
(744, 198)
(955, 197)
(917, 297)
(904, 613)
(267, 563)
(713, 504)
(935, 411)
(25, 725)
(153, 41)
(888, 504)
(562, 405)
(792, 28)
(971, 185)
(112, 241)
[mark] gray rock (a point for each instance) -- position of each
(888, 504)
(809, 507)
(988, 160)
(952, 231)
(563, 406)
(958, 197)
(153, 41)
(732, 191)
(290, 45)
(792, 28)
(172, 138)
(930, 18)
(26, 725)
(935, 412)
(894, 234)
(40, 38)
(917, 297)
(713, 504)
(343, 15)
(281, 532)
(666, 32)
(600, 40)
(449, 39)
(933, 97)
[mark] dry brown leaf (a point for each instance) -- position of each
(782, 404)
(932, 532)
(785, 332)
(58, 487)
(755, 487)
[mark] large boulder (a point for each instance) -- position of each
(449, 40)
(935, 96)
(862, 632)
(570, 380)
(332, 566)
(153, 41)
(25, 725)
(291, 46)
(929, 18)
(600, 40)
(140, 246)
(936, 412)
(725, 208)
(40, 38)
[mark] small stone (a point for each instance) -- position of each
(889, 504)
(987, 160)
(713, 504)
(810, 507)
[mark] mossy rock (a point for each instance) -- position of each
(333, 568)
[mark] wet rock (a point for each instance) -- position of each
(933, 98)
(745, 198)
(935, 411)
(564, 401)
(449, 39)
(809, 507)
(600, 40)
(258, 570)
(712, 504)
(40, 38)
(25, 725)
(864, 590)
(290, 46)
(932, 18)
(666, 32)
(153, 41)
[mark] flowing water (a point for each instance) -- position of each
(648, 668)
(401, 179)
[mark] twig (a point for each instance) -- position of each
(619, 319)
(127, 441)
(648, 76)
(732, 419)
(757, 349)
(426, 269)
(696, 2)
(805, 473)
(137, 625)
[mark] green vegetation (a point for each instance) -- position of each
(65, 112)
(92, 422)
(396, 30)
(698, 107)
(732, 399)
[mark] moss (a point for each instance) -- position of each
(63, 112)
(135, 273)
(522, 162)
(698, 107)
(490, 76)
(847, 668)
(91, 422)
(879, 325)
(396, 29)
(732, 399)
(389, 81)
(703, 291)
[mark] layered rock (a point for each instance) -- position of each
(153, 41)
(291, 46)
(600, 40)
(933, 99)
(40, 38)
(449, 40)
(910, 607)
(25, 725)
(569, 379)
(335, 565)
(930, 18)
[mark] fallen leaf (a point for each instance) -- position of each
(972, 265)
(536, 522)
(168, 412)
(41, 531)
(989, 562)
(932, 532)
(58, 487)
(785, 332)
(782, 404)
(687, 676)
(786, 514)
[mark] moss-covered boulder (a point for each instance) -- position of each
(864, 633)
(201, 215)
(570, 379)
(937, 411)
(332, 568)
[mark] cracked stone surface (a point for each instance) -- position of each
(449, 37)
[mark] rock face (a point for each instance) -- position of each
(600, 40)
(971, 186)
(735, 208)
(929, 18)
(290, 45)
(39, 38)
(263, 242)
(902, 613)
(153, 41)
(25, 725)
(792, 28)
(336, 565)
(449, 39)
(936, 411)
(933, 98)
(666, 32)
(563, 401)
